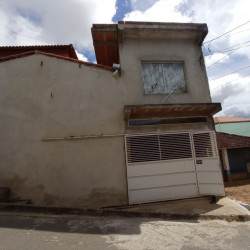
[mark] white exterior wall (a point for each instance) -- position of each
(59, 99)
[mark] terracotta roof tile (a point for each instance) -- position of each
(225, 140)
(228, 119)
(106, 37)
(61, 50)
(8, 58)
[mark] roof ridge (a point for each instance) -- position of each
(230, 119)
(28, 46)
(53, 55)
(232, 134)
(7, 58)
(225, 140)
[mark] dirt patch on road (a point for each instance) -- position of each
(239, 190)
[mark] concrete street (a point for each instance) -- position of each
(23, 231)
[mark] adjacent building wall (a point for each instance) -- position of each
(236, 128)
(60, 99)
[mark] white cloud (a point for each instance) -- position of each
(81, 56)
(221, 16)
(62, 22)
(233, 92)
(211, 59)
(55, 22)
(161, 11)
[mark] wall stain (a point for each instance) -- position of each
(20, 189)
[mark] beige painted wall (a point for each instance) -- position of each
(58, 99)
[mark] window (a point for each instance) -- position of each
(175, 120)
(163, 78)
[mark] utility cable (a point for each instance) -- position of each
(227, 55)
(230, 73)
(226, 32)
(233, 34)
(228, 82)
(28, 36)
(226, 49)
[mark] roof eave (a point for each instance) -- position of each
(35, 52)
(194, 31)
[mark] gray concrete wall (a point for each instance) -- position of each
(58, 99)
(132, 52)
(55, 100)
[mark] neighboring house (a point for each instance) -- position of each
(80, 134)
(235, 155)
(234, 145)
(233, 125)
(67, 51)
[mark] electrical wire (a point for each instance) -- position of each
(227, 82)
(230, 35)
(230, 73)
(46, 42)
(236, 33)
(27, 36)
(226, 55)
(226, 32)
(226, 49)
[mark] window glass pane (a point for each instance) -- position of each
(174, 77)
(163, 78)
(150, 75)
(177, 120)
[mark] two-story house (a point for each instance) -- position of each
(136, 127)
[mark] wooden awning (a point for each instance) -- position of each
(148, 111)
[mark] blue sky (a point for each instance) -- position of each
(29, 22)
(122, 7)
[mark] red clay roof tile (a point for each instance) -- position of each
(53, 55)
(105, 37)
(61, 50)
(225, 140)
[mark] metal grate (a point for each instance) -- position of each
(203, 145)
(175, 146)
(158, 147)
(143, 148)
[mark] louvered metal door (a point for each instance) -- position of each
(171, 166)
(209, 176)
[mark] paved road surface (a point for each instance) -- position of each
(23, 232)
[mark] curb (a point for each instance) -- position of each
(14, 208)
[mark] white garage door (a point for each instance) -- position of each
(172, 166)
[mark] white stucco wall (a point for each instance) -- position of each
(58, 99)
